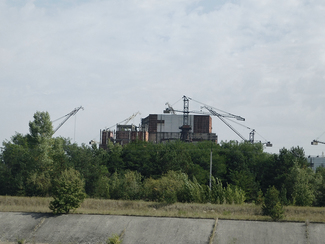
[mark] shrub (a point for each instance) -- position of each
(127, 186)
(115, 239)
(260, 198)
(67, 191)
(190, 191)
(217, 194)
(238, 195)
(272, 206)
(102, 187)
(229, 195)
(164, 189)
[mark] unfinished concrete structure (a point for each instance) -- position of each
(166, 127)
(124, 134)
(158, 128)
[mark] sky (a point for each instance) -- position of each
(261, 60)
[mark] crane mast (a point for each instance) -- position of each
(315, 142)
(185, 128)
(222, 115)
(66, 117)
(213, 112)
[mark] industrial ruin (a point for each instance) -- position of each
(189, 126)
(159, 128)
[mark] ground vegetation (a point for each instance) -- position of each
(31, 164)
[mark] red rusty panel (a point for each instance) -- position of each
(202, 124)
(122, 135)
(106, 135)
(139, 135)
(152, 123)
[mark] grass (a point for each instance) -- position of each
(183, 210)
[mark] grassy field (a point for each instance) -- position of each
(182, 210)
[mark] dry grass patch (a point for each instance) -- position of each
(143, 208)
(24, 204)
(311, 214)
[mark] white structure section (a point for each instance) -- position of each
(316, 162)
(172, 122)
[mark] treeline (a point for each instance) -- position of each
(169, 172)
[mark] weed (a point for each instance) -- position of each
(21, 241)
(182, 212)
(115, 239)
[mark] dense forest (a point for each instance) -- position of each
(173, 171)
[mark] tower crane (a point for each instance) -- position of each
(66, 117)
(315, 142)
(229, 115)
(222, 115)
(130, 118)
(169, 109)
(124, 122)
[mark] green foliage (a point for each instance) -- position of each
(217, 194)
(283, 196)
(239, 195)
(127, 186)
(301, 182)
(166, 172)
(320, 191)
(39, 183)
(40, 128)
(164, 189)
(229, 195)
(102, 188)
(191, 191)
(115, 239)
(67, 191)
(21, 241)
(272, 206)
(260, 198)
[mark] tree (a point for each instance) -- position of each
(67, 191)
(272, 206)
(41, 127)
(302, 185)
(320, 192)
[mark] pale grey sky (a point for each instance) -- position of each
(262, 60)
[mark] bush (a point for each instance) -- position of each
(217, 194)
(115, 239)
(190, 191)
(102, 187)
(259, 198)
(67, 191)
(272, 206)
(164, 189)
(229, 195)
(239, 195)
(127, 186)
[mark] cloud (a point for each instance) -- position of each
(262, 60)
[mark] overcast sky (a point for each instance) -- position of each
(262, 60)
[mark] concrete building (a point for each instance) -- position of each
(158, 128)
(166, 127)
(124, 134)
(316, 162)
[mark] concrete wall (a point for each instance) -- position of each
(47, 228)
(316, 162)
